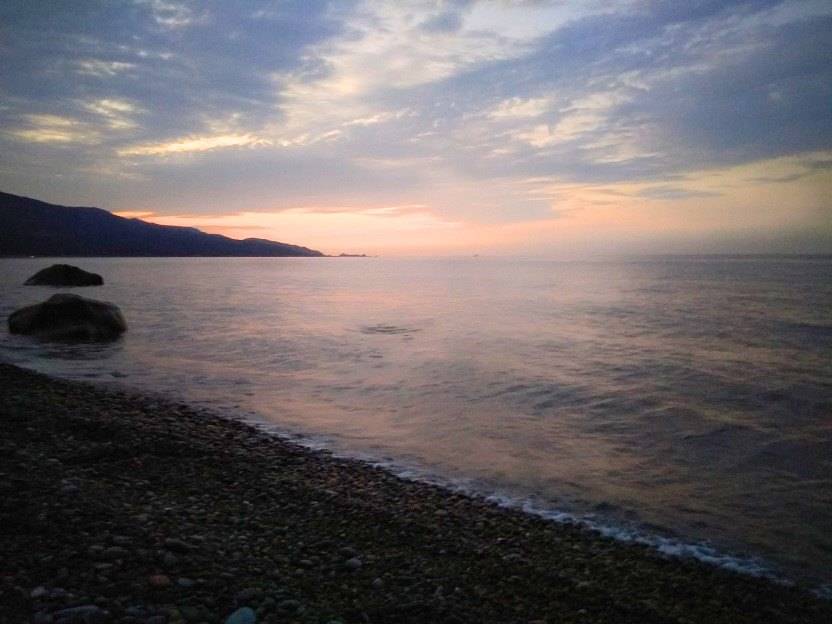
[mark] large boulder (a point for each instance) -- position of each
(64, 275)
(69, 317)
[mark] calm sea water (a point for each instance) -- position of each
(687, 402)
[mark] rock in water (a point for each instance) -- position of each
(69, 317)
(64, 275)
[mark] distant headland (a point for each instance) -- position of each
(36, 228)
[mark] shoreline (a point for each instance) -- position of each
(145, 510)
(656, 538)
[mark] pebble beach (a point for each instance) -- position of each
(118, 507)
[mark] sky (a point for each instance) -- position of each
(508, 127)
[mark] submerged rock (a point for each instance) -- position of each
(69, 317)
(64, 275)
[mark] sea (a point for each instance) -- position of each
(681, 402)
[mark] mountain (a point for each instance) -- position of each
(29, 227)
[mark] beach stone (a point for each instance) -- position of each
(247, 595)
(191, 614)
(86, 614)
(177, 545)
(243, 615)
(64, 275)
(353, 564)
(289, 605)
(159, 580)
(42, 617)
(69, 317)
(95, 551)
(38, 592)
(115, 552)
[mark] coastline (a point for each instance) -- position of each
(145, 510)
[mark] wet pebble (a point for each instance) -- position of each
(85, 614)
(289, 605)
(177, 545)
(247, 595)
(159, 580)
(38, 592)
(243, 615)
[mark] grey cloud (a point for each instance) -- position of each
(701, 84)
(216, 66)
(448, 21)
(810, 167)
(696, 85)
(673, 192)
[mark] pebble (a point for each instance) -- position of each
(95, 551)
(289, 605)
(268, 555)
(247, 595)
(159, 580)
(115, 552)
(243, 615)
(42, 617)
(177, 545)
(38, 592)
(191, 614)
(85, 614)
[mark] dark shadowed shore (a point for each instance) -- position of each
(123, 508)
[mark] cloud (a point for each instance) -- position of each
(117, 114)
(448, 21)
(674, 192)
(193, 144)
(170, 14)
(519, 108)
(102, 69)
(53, 129)
(803, 168)
(219, 105)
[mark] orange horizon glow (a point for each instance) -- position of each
(584, 218)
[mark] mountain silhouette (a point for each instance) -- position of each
(29, 227)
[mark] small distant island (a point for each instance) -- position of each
(36, 228)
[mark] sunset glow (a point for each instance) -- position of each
(433, 128)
